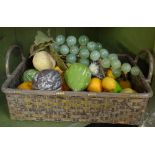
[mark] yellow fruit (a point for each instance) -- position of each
(95, 85)
(25, 85)
(57, 68)
(108, 84)
(128, 90)
(109, 74)
(125, 84)
(43, 60)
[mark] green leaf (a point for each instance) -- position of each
(58, 59)
(37, 48)
(44, 42)
(41, 38)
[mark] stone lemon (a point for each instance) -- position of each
(108, 84)
(95, 85)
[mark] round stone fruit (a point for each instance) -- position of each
(78, 76)
(29, 75)
(47, 80)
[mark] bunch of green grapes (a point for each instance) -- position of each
(84, 51)
(67, 47)
(81, 49)
(112, 61)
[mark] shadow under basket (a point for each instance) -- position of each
(37, 105)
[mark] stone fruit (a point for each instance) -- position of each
(29, 74)
(47, 80)
(25, 85)
(64, 85)
(128, 90)
(108, 84)
(125, 84)
(83, 40)
(110, 74)
(95, 85)
(43, 60)
(94, 68)
(77, 76)
(118, 88)
(57, 68)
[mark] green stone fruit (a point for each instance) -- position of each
(128, 90)
(118, 88)
(29, 75)
(78, 76)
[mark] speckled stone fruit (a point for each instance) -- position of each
(47, 80)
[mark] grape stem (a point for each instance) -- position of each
(126, 76)
(101, 68)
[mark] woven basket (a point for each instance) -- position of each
(76, 106)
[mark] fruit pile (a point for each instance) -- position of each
(77, 64)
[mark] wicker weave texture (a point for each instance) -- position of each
(59, 108)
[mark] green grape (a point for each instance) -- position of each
(135, 71)
(71, 41)
(99, 46)
(91, 46)
(113, 56)
(81, 47)
(71, 58)
(64, 50)
(95, 55)
(126, 67)
(83, 40)
(56, 47)
(74, 50)
(115, 64)
(84, 61)
(60, 39)
(105, 63)
(84, 53)
(116, 72)
(104, 53)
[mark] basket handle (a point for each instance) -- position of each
(8, 53)
(150, 74)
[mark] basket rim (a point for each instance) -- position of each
(7, 90)
(76, 94)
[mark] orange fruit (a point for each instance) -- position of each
(95, 85)
(108, 84)
(125, 84)
(25, 85)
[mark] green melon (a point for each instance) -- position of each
(29, 75)
(78, 76)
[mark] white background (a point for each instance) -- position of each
(77, 141)
(77, 13)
